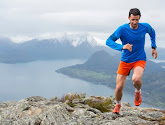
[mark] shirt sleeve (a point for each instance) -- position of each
(152, 34)
(115, 36)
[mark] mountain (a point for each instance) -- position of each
(98, 62)
(65, 47)
(101, 68)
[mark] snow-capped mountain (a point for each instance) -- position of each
(63, 46)
(76, 39)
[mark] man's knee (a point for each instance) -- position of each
(120, 81)
(119, 88)
(136, 79)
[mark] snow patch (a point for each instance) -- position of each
(75, 39)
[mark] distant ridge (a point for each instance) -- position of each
(100, 61)
(80, 47)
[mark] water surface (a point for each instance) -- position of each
(39, 78)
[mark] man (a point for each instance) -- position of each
(132, 36)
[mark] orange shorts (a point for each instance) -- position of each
(125, 68)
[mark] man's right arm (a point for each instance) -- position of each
(111, 43)
(111, 40)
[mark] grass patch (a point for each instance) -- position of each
(104, 104)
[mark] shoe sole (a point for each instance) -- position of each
(116, 113)
(137, 104)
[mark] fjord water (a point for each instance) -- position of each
(39, 78)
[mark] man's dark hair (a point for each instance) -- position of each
(135, 12)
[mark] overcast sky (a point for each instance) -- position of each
(30, 18)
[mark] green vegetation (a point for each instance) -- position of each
(91, 76)
(53, 99)
(104, 104)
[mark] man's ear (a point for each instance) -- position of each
(129, 17)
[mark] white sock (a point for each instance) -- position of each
(136, 90)
(118, 102)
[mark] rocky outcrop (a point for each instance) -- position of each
(40, 111)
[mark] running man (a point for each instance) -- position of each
(132, 36)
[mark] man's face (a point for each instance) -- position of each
(134, 20)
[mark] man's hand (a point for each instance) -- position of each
(154, 53)
(128, 46)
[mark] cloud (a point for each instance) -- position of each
(27, 17)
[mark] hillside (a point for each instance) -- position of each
(101, 68)
(75, 109)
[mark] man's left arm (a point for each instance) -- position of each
(151, 32)
(154, 53)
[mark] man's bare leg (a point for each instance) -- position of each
(120, 81)
(137, 82)
(137, 77)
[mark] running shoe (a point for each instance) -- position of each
(117, 109)
(138, 98)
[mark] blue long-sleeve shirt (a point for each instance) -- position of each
(136, 37)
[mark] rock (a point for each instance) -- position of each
(7, 104)
(40, 111)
